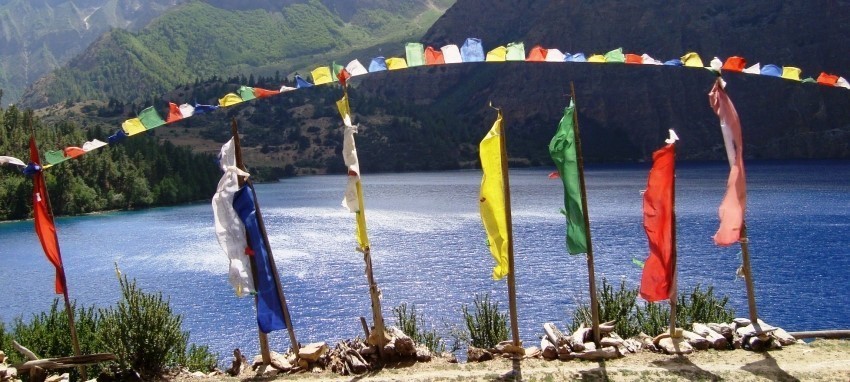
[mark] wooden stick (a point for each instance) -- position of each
(821, 334)
(263, 337)
(508, 221)
(748, 275)
(594, 304)
(673, 256)
(75, 342)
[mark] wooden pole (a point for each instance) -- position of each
(673, 256)
(75, 342)
(263, 337)
(508, 221)
(748, 276)
(374, 293)
(594, 304)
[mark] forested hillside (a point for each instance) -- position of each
(198, 40)
(138, 173)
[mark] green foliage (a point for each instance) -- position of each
(652, 318)
(411, 324)
(47, 335)
(142, 331)
(487, 326)
(137, 173)
(199, 358)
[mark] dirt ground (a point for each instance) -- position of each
(821, 360)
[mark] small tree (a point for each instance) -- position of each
(487, 327)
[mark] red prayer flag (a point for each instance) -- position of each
(632, 58)
(174, 113)
(73, 152)
(265, 93)
(733, 206)
(434, 56)
(657, 282)
(734, 64)
(827, 79)
(537, 54)
(43, 217)
(343, 76)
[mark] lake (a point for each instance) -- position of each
(429, 249)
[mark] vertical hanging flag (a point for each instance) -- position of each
(733, 206)
(353, 198)
(563, 151)
(657, 281)
(229, 229)
(43, 219)
(492, 197)
(269, 308)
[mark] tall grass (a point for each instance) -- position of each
(634, 316)
(487, 326)
(411, 324)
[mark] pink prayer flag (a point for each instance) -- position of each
(733, 206)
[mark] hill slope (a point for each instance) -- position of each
(200, 40)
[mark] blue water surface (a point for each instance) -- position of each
(429, 249)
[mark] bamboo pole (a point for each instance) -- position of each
(263, 337)
(594, 304)
(748, 276)
(508, 221)
(673, 256)
(75, 342)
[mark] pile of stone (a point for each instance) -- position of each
(7, 373)
(741, 333)
(580, 344)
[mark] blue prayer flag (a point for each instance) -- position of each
(472, 51)
(771, 70)
(378, 64)
(301, 83)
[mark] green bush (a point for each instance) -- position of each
(199, 358)
(487, 327)
(411, 324)
(142, 331)
(634, 317)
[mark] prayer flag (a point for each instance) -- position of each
(562, 148)
(229, 229)
(93, 144)
(674, 62)
(515, 52)
(301, 82)
(246, 93)
(472, 51)
(597, 58)
(657, 281)
(492, 197)
(771, 70)
(498, 54)
(827, 79)
(264, 93)
(187, 110)
(174, 113)
(451, 54)
(755, 69)
(6, 160)
(378, 64)
(54, 157)
(73, 152)
(343, 77)
(648, 60)
(355, 68)
(415, 54)
(715, 64)
(322, 75)
(269, 308)
(201, 109)
(633, 59)
(576, 57)
(615, 55)
(150, 118)
(394, 63)
(791, 73)
(119, 136)
(43, 220)
(133, 126)
(733, 206)
(229, 99)
(692, 59)
(336, 70)
(734, 64)
(537, 54)
(555, 55)
(353, 197)
(433, 56)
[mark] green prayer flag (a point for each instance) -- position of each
(335, 69)
(415, 54)
(150, 118)
(637, 262)
(55, 156)
(246, 93)
(562, 148)
(515, 52)
(615, 55)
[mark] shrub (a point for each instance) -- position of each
(142, 331)
(411, 324)
(199, 358)
(652, 318)
(487, 327)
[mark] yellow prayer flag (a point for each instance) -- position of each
(362, 237)
(229, 99)
(596, 58)
(791, 73)
(492, 198)
(497, 54)
(692, 59)
(394, 63)
(344, 110)
(322, 75)
(133, 126)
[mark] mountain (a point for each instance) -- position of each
(198, 40)
(37, 36)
